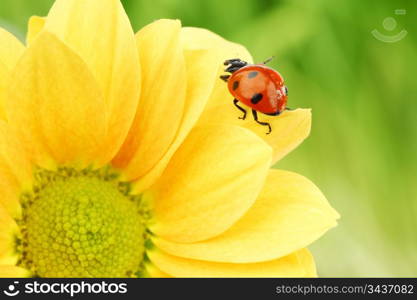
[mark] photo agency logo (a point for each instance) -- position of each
(390, 25)
(12, 289)
(64, 288)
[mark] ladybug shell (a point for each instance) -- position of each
(260, 88)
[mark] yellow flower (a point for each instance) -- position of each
(122, 155)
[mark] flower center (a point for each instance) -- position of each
(82, 224)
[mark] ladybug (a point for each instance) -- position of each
(257, 86)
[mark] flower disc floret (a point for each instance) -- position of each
(82, 225)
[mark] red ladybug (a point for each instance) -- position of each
(257, 86)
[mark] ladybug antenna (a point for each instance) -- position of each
(268, 60)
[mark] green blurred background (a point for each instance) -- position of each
(362, 152)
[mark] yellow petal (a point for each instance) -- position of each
(210, 182)
(10, 271)
(306, 259)
(35, 25)
(15, 170)
(8, 233)
(288, 131)
(99, 31)
(55, 106)
(9, 189)
(195, 38)
(4, 75)
(297, 264)
(201, 75)
(162, 100)
(289, 214)
(153, 272)
(10, 51)
(203, 64)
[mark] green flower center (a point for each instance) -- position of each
(82, 224)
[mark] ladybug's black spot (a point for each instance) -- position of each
(256, 98)
(235, 85)
(253, 74)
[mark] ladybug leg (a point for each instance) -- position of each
(287, 108)
(225, 77)
(255, 117)
(232, 61)
(234, 64)
(235, 101)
